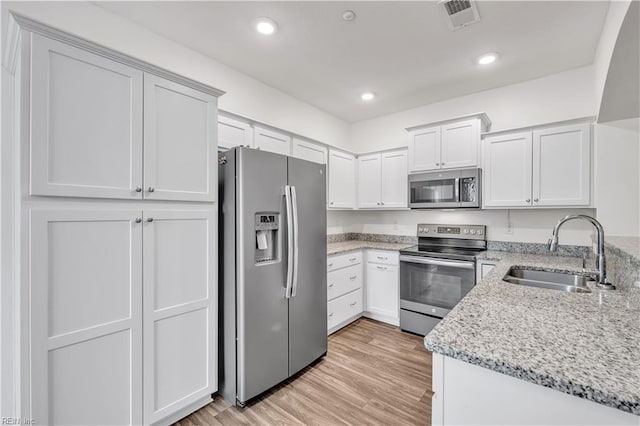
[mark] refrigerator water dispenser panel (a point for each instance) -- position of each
(267, 227)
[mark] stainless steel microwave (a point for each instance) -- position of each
(445, 189)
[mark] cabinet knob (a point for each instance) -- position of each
(353, 304)
(330, 203)
(352, 278)
(149, 219)
(381, 203)
(437, 164)
(138, 189)
(330, 285)
(331, 314)
(535, 200)
(138, 219)
(528, 200)
(151, 189)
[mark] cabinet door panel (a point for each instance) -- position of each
(232, 133)
(382, 290)
(268, 140)
(179, 142)
(424, 149)
(369, 181)
(394, 179)
(180, 319)
(309, 151)
(507, 171)
(460, 144)
(86, 123)
(342, 172)
(86, 317)
(561, 166)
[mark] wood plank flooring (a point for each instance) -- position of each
(373, 374)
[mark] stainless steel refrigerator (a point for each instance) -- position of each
(273, 274)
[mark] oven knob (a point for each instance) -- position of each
(426, 230)
(420, 230)
(466, 231)
(479, 231)
(473, 231)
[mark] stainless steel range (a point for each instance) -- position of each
(437, 273)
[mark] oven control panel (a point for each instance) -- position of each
(467, 232)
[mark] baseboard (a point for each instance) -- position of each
(382, 318)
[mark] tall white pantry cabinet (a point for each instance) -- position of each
(118, 234)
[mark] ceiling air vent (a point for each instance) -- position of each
(459, 13)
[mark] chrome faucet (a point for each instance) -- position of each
(601, 262)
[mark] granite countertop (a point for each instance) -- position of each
(629, 245)
(345, 246)
(587, 345)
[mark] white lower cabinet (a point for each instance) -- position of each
(344, 289)
(102, 336)
(467, 394)
(382, 286)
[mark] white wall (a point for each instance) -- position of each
(245, 96)
(604, 51)
(617, 179)
(557, 97)
(526, 225)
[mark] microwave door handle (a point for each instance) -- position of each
(426, 261)
(457, 190)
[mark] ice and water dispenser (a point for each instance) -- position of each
(267, 228)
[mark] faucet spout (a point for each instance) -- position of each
(601, 262)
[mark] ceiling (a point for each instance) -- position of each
(404, 52)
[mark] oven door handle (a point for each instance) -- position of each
(425, 261)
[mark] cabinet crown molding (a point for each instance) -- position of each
(484, 118)
(580, 120)
(19, 22)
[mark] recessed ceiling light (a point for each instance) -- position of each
(487, 58)
(348, 15)
(265, 26)
(367, 96)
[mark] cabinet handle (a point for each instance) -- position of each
(151, 189)
(330, 203)
(138, 219)
(528, 200)
(437, 164)
(382, 268)
(331, 314)
(382, 257)
(381, 203)
(149, 219)
(353, 259)
(353, 304)
(535, 200)
(378, 204)
(138, 189)
(330, 285)
(353, 277)
(330, 265)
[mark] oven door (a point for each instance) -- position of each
(434, 286)
(434, 190)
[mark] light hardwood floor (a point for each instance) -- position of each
(373, 374)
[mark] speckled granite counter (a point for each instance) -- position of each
(344, 246)
(587, 345)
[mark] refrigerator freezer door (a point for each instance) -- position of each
(262, 311)
(308, 308)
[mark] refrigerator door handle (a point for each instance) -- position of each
(290, 233)
(294, 211)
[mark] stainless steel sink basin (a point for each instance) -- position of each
(561, 281)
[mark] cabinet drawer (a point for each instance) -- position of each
(343, 308)
(346, 259)
(343, 281)
(383, 256)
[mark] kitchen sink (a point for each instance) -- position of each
(561, 281)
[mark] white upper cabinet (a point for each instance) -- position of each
(394, 179)
(309, 151)
(424, 149)
(507, 170)
(561, 166)
(369, 180)
(549, 167)
(272, 141)
(232, 133)
(449, 144)
(342, 177)
(180, 142)
(382, 180)
(86, 123)
(459, 144)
